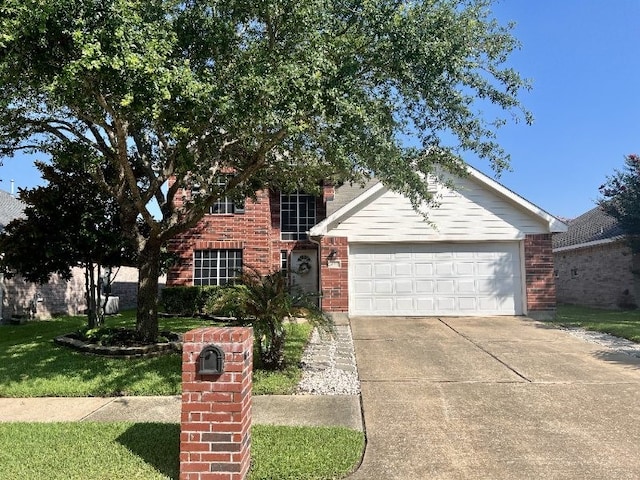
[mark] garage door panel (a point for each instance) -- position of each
(383, 286)
(403, 286)
(435, 279)
(403, 269)
(404, 304)
(446, 304)
(383, 270)
(424, 286)
(445, 269)
(363, 287)
(363, 270)
(465, 268)
(467, 304)
(423, 269)
(445, 286)
(466, 286)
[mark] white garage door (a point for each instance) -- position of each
(435, 279)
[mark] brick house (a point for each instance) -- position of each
(19, 298)
(594, 265)
(486, 250)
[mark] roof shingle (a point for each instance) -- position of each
(592, 226)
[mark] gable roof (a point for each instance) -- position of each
(364, 196)
(10, 208)
(591, 228)
(348, 192)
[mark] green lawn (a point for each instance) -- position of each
(621, 323)
(150, 451)
(31, 365)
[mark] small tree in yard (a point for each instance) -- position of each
(69, 222)
(621, 199)
(265, 302)
(277, 93)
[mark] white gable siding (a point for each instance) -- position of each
(471, 213)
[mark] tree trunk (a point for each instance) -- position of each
(148, 273)
(92, 318)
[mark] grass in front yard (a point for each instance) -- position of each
(150, 451)
(31, 365)
(621, 323)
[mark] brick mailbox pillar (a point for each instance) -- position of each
(215, 435)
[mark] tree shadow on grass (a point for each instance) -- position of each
(31, 365)
(157, 444)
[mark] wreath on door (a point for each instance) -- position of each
(304, 265)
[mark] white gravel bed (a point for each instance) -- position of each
(618, 344)
(329, 365)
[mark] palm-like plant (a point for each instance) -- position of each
(265, 302)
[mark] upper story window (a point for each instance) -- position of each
(224, 205)
(297, 215)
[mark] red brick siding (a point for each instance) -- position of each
(256, 232)
(539, 274)
(598, 276)
(334, 274)
(215, 427)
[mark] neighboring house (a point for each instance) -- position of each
(19, 298)
(594, 264)
(486, 250)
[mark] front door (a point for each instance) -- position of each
(304, 270)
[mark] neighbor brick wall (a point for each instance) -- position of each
(540, 283)
(602, 276)
(215, 430)
(62, 297)
(256, 232)
(334, 277)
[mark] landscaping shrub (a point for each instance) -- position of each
(187, 300)
(265, 302)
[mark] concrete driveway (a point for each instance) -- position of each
(494, 398)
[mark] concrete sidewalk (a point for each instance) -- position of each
(304, 410)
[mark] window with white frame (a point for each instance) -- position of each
(225, 205)
(284, 263)
(297, 215)
(216, 267)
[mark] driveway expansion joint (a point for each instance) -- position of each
(481, 348)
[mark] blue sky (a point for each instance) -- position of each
(583, 59)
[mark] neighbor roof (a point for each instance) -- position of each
(594, 226)
(10, 208)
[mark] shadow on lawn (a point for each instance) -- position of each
(31, 365)
(158, 444)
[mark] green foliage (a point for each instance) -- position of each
(68, 222)
(149, 451)
(265, 302)
(188, 300)
(621, 323)
(621, 199)
(296, 453)
(284, 94)
(63, 372)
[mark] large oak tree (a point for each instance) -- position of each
(282, 93)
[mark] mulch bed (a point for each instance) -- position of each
(123, 344)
